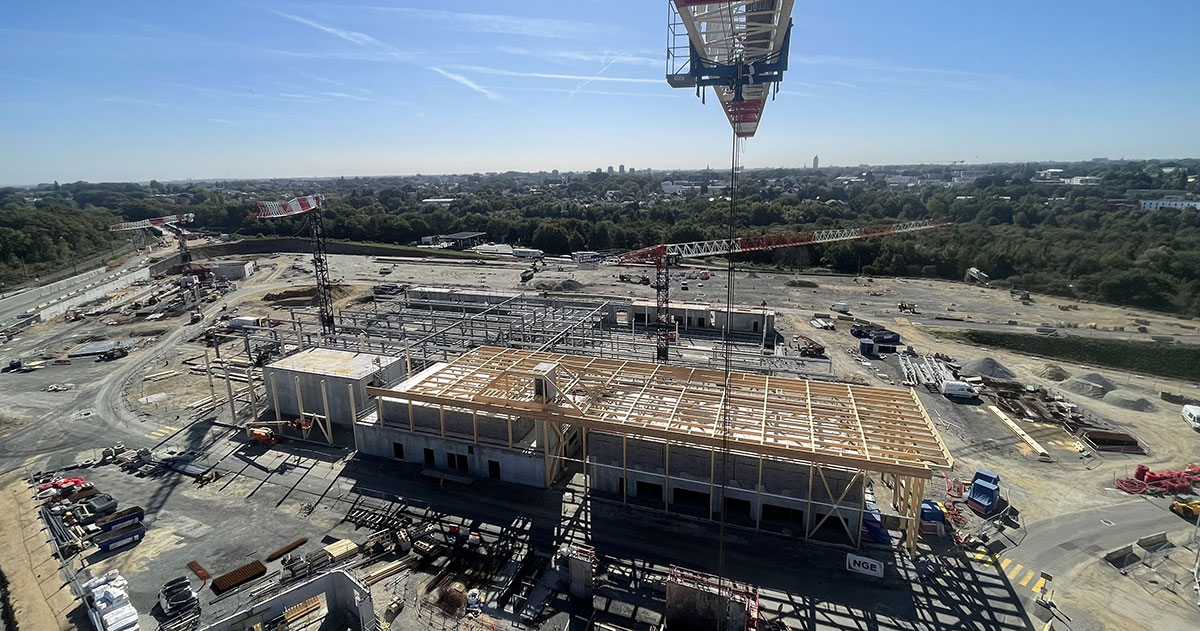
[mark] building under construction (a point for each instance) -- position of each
(518, 388)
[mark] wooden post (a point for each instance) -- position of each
(229, 391)
(253, 397)
(212, 391)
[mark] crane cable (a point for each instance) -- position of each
(731, 227)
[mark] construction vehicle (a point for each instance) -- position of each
(527, 275)
(808, 347)
(264, 436)
(974, 274)
(113, 354)
(1187, 509)
(907, 307)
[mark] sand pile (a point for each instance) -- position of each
(987, 367)
(1129, 401)
(1053, 372)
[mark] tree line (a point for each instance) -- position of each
(1076, 241)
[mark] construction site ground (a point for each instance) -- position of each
(1070, 514)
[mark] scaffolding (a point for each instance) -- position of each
(428, 330)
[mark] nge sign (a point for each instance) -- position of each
(864, 565)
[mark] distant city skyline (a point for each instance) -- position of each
(143, 90)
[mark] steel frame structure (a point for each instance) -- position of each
(310, 206)
(737, 47)
(427, 331)
(169, 223)
(718, 247)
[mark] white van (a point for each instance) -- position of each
(958, 390)
(1191, 414)
(840, 307)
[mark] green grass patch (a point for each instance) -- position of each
(1177, 361)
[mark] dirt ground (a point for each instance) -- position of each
(37, 592)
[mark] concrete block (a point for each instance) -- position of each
(1154, 542)
(1122, 557)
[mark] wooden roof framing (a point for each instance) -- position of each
(877, 429)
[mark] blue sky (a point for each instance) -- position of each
(170, 90)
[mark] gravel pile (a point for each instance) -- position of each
(1099, 380)
(1053, 372)
(987, 367)
(560, 285)
(1086, 388)
(1129, 401)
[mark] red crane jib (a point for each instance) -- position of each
(769, 241)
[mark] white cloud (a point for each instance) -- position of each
(547, 75)
(366, 41)
(564, 56)
(362, 39)
(132, 101)
(223, 121)
(503, 24)
(345, 95)
(467, 82)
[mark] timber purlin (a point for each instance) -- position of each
(885, 430)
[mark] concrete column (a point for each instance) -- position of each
(328, 423)
(353, 415)
(667, 476)
(712, 485)
(758, 499)
(275, 398)
(299, 401)
(808, 516)
(624, 473)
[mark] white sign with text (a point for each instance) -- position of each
(864, 565)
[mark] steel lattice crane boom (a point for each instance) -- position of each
(662, 256)
(169, 223)
(739, 48)
(310, 206)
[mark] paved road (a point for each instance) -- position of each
(1065, 545)
(22, 302)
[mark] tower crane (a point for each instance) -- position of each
(739, 48)
(311, 207)
(664, 255)
(171, 224)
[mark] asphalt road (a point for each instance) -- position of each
(22, 302)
